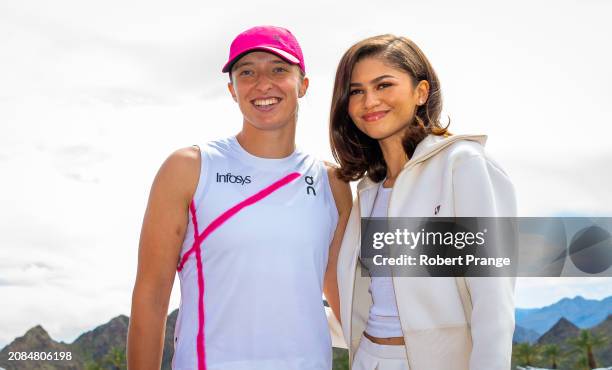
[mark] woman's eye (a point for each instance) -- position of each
(355, 92)
(383, 85)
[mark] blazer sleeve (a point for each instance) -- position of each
(482, 189)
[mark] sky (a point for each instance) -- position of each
(95, 95)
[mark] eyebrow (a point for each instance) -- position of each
(242, 64)
(377, 79)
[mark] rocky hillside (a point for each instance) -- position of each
(92, 349)
(89, 350)
(38, 340)
(564, 330)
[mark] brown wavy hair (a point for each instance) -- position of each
(357, 153)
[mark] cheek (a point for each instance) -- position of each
(403, 106)
(291, 91)
(290, 85)
(352, 108)
(353, 112)
(240, 90)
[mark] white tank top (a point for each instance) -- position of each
(252, 280)
(383, 320)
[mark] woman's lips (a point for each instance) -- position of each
(374, 116)
(266, 104)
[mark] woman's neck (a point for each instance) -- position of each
(268, 143)
(395, 158)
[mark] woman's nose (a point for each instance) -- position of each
(370, 100)
(263, 83)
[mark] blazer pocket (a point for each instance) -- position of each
(446, 348)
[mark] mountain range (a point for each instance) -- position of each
(94, 346)
(552, 324)
(584, 313)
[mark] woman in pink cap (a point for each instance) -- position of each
(251, 224)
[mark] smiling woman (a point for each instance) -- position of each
(267, 89)
(397, 72)
(251, 225)
(385, 130)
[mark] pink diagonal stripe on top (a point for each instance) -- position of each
(199, 238)
(235, 209)
(194, 219)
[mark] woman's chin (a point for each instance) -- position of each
(379, 134)
(383, 132)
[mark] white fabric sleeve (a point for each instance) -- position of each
(482, 189)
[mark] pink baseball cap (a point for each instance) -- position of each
(276, 40)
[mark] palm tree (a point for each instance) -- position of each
(525, 354)
(116, 359)
(582, 363)
(552, 353)
(585, 343)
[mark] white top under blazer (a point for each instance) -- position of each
(383, 319)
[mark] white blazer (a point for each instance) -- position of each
(454, 175)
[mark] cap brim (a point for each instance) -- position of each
(278, 52)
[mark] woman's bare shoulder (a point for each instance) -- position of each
(180, 172)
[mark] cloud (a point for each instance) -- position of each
(17, 272)
(549, 185)
(99, 63)
(78, 162)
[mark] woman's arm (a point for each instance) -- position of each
(343, 198)
(481, 189)
(161, 237)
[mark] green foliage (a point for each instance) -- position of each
(585, 343)
(582, 363)
(93, 365)
(525, 354)
(574, 354)
(551, 353)
(114, 360)
(340, 359)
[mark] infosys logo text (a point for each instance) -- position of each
(234, 179)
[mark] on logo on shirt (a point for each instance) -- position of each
(309, 188)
